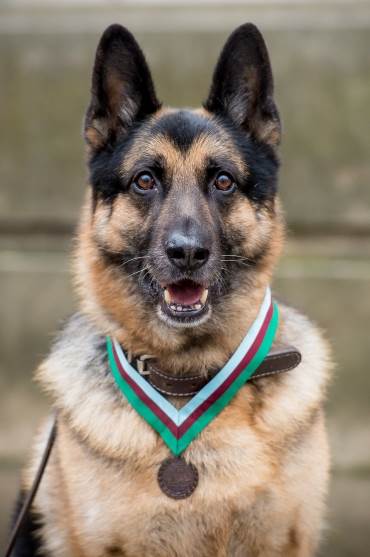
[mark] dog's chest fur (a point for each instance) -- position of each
(258, 461)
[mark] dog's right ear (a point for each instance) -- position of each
(122, 88)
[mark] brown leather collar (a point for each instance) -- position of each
(277, 361)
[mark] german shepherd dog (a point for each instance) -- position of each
(178, 238)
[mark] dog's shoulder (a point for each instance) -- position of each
(77, 376)
(298, 330)
(78, 338)
(76, 370)
(79, 350)
(293, 399)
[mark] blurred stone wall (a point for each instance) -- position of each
(320, 55)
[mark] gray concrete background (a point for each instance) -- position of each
(320, 54)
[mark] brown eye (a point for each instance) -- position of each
(224, 182)
(144, 181)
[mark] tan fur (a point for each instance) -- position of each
(263, 462)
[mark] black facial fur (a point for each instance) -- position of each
(182, 128)
(104, 174)
(263, 166)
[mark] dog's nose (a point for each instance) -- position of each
(186, 252)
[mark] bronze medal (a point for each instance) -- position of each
(177, 478)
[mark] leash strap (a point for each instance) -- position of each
(34, 488)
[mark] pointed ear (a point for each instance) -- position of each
(242, 86)
(122, 89)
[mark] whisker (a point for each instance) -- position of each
(232, 256)
(124, 263)
(240, 261)
(118, 252)
(136, 272)
(145, 275)
(243, 263)
(134, 259)
(219, 279)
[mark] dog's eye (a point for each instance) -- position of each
(224, 182)
(144, 182)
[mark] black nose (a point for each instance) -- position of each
(186, 252)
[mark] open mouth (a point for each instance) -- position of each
(185, 300)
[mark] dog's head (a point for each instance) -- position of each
(183, 219)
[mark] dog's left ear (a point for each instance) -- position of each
(122, 91)
(242, 86)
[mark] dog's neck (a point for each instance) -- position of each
(176, 351)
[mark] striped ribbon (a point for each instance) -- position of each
(179, 427)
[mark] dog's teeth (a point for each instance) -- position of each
(173, 306)
(179, 308)
(204, 296)
(167, 296)
(197, 306)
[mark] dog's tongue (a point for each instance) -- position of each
(185, 292)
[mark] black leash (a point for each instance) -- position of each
(34, 488)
